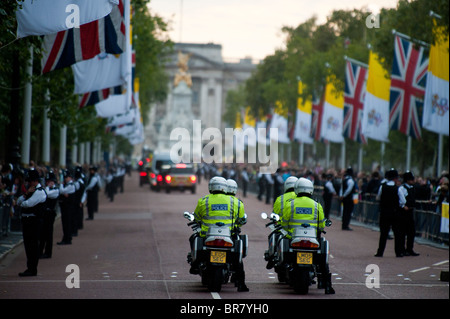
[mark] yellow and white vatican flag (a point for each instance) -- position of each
(436, 107)
(249, 128)
(444, 218)
(375, 122)
(333, 113)
(302, 131)
(279, 121)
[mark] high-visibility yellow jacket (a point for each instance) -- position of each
(281, 201)
(214, 208)
(302, 210)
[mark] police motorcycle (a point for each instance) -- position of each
(217, 253)
(297, 260)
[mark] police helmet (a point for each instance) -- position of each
(391, 174)
(218, 184)
(349, 171)
(67, 173)
(232, 187)
(32, 175)
(51, 176)
(304, 185)
(290, 183)
(408, 176)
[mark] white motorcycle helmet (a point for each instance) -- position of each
(218, 184)
(304, 185)
(290, 183)
(232, 187)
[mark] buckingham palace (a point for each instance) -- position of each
(210, 79)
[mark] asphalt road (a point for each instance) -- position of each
(136, 248)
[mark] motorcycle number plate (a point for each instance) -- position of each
(218, 257)
(304, 258)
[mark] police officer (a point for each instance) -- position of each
(238, 210)
(328, 192)
(407, 218)
(278, 208)
(92, 189)
(33, 206)
(205, 215)
(48, 219)
(67, 205)
(79, 192)
(311, 213)
(346, 196)
(391, 199)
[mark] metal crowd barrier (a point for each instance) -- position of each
(427, 215)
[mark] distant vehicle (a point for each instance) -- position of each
(160, 164)
(180, 177)
(144, 166)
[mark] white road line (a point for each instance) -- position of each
(419, 269)
(215, 295)
(440, 263)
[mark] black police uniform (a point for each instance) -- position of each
(31, 225)
(389, 217)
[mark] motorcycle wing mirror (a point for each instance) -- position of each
(188, 216)
(263, 215)
(328, 223)
(275, 217)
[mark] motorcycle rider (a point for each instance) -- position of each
(304, 210)
(278, 207)
(219, 207)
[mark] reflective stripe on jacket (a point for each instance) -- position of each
(214, 208)
(302, 210)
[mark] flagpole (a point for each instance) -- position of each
(343, 154)
(46, 132)
(439, 159)
(62, 146)
(364, 65)
(407, 37)
(360, 157)
(26, 122)
(408, 153)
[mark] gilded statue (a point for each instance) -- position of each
(183, 74)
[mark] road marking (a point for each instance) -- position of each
(419, 269)
(440, 263)
(215, 295)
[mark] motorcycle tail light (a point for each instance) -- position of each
(159, 178)
(168, 179)
(143, 174)
(193, 178)
(152, 175)
(219, 243)
(305, 243)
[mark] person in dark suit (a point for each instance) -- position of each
(346, 196)
(391, 199)
(67, 205)
(32, 205)
(407, 214)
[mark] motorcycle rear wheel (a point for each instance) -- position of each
(301, 281)
(215, 279)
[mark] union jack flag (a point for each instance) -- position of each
(106, 35)
(355, 89)
(93, 98)
(408, 81)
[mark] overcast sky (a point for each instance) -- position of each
(247, 27)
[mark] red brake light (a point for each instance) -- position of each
(304, 244)
(193, 178)
(218, 243)
(143, 174)
(168, 179)
(152, 175)
(159, 178)
(140, 163)
(148, 160)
